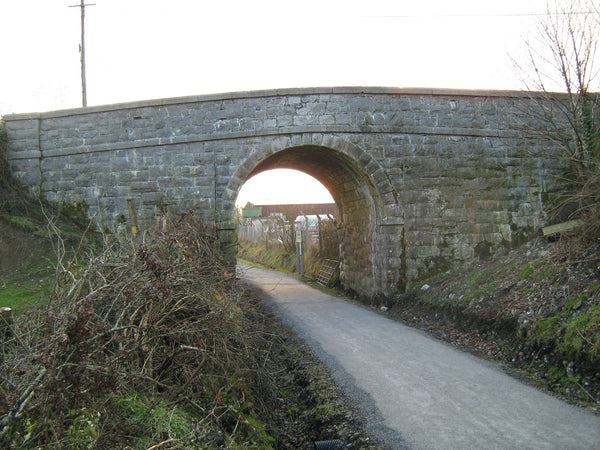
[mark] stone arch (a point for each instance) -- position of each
(370, 265)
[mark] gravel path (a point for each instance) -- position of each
(419, 392)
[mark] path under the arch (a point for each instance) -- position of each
(418, 392)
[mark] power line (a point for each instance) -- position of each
(82, 5)
(436, 16)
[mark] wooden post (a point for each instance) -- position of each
(299, 248)
(562, 227)
(320, 234)
(6, 322)
(132, 216)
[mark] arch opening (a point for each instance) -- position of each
(359, 207)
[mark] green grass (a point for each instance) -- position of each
(269, 256)
(155, 419)
(535, 271)
(262, 266)
(525, 272)
(28, 286)
(546, 329)
(572, 331)
(581, 331)
(23, 296)
(158, 419)
(24, 223)
(562, 381)
(28, 260)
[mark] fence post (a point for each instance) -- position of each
(299, 245)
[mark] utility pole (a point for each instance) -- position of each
(82, 5)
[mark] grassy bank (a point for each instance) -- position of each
(275, 256)
(271, 256)
(537, 309)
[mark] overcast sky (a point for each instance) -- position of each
(146, 49)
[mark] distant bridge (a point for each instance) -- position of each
(424, 179)
(292, 211)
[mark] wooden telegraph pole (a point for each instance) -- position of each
(82, 5)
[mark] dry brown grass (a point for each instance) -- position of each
(163, 317)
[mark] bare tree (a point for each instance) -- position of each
(563, 79)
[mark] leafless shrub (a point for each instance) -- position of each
(562, 57)
(162, 317)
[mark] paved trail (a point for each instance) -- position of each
(419, 392)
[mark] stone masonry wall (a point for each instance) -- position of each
(426, 178)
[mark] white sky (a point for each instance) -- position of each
(292, 187)
(146, 49)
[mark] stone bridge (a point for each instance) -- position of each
(424, 179)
